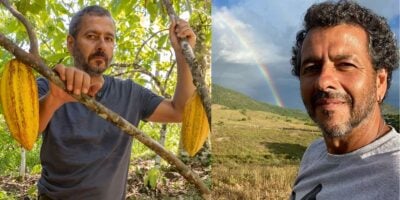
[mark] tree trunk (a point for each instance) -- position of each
(163, 132)
(22, 166)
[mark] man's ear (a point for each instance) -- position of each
(381, 84)
(70, 43)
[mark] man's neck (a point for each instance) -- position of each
(372, 128)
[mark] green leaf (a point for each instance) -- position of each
(152, 177)
(32, 191)
(162, 40)
(37, 169)
(37, 6)
(152, 8)
(60, 8)
(22, 6)
(116, 7)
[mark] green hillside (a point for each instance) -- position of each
(256, 147)
(236, 100)
(389, 110)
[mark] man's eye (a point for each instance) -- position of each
(109, 39)
(311, 69)
(345, 64)
(92, 37)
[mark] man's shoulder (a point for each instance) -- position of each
(313, 153)
(119, 82)
(317, 146)
(392, 143)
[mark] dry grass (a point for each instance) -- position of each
(256, 154)
(253, 182)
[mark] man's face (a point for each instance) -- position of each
(93, 46)
(337, 80)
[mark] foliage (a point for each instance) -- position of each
(143, 52)
(151, 178)
(393, 120)
(153, 130)
(10, 153)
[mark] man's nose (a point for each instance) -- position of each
(101, 44)
(327, 78)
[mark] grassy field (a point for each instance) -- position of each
(256, 153)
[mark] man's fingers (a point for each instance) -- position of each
(184, 31)
(85, 83)
(60, 70)
(69, 78)
(172, 31)
(94, 88)
(78, 80)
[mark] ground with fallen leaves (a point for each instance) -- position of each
(170, 185)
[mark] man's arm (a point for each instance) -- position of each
(77, 81)
(172, 110)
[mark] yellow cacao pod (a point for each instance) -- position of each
(195, 127)
(19, 99)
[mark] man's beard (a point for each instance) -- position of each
(358, 113)
(81, 63)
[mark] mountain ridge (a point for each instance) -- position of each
(237, 100)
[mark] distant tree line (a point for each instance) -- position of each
(393, 120)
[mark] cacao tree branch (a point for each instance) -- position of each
(189, 7)
(34, 47)
(168, 74)
(36, 63)
(146, 41)
(139, 68)
(33, 59)
(198, 77)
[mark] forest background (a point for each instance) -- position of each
(143, 53)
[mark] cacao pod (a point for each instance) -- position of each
(19, 99)
(195, 127)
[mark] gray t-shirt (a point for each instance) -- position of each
(84, 156)
(371, 172)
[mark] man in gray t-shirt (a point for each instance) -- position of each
(82, 155)
(344, 58)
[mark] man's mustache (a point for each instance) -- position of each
(99, 54)
(319, 95)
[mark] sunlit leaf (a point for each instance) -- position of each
(22, 6)
(162, 40)
(152, 176)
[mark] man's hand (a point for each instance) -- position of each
(172, 110)
(76, 82)
(179, 30)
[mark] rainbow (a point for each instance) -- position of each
(229, 22)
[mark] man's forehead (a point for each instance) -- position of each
(95, 22)
(341, 32)
(340, 42)
(339, 28)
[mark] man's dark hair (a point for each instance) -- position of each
(95, 10)
(382, 43)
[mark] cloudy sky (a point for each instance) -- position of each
(252, 42)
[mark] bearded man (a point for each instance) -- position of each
(83, 156)
(344, 58)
